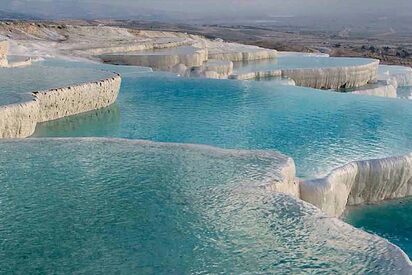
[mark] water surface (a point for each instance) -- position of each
(117, 206)
(390, 219)
(319, 129)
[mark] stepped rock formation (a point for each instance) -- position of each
(360, 182)
(334, 78)
(207, 58)
(383, 90)
(19, 120)
(400, 75)
(164, 60)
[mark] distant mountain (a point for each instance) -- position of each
(8, 15)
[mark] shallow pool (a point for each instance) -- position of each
(117, 206)
(319, 129)
(391, 220)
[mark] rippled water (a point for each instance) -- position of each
(101, 206)
(297, 62)
(391, 220)
(319, 129)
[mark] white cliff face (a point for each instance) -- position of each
(384, 90)
(285, 180)
(400, 75)
(334, 78)
(216, 69)
(162, 60)
(19, 120)
(360, 182)
(256, 75)
(220, 50)
(320, 77)
(76, 99)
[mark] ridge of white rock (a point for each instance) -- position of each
(334, 77)
(256, 75)
(188, 56)
(360, 182)
(19, 120)
(218, 69)
(382, 89)
(284, 179)
(400, 75)
(226, 51)
(142, 46)
(320, 78)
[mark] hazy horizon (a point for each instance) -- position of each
(205, 8)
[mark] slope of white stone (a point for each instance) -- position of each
(256, 75)
(192, 57)
(360, 182)
(234, 52)
(76, 99)
(401, 74)
(334, 77)
(19, 120)
(383, 90)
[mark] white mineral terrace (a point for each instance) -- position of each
(360, 182)
(190, 55)
(308, 71)
(18, 120)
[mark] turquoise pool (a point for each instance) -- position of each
(391, 220)
(118, 206)
(319, 129)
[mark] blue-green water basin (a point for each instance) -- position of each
(319, 129)
(118, 206)
(297, 62)
(390, 219)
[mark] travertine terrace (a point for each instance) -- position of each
(19, 120)
(359, 182)
(192, 55)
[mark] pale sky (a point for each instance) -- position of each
(208, 7)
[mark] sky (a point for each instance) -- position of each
(207, 8)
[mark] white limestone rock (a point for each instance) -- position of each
(160, 60)
(360, 182)
(334, 77)
(19, 120)
(400, 74)
(383, 90)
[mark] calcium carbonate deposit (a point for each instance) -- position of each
(295, 158)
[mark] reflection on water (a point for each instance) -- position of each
(105, 122)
